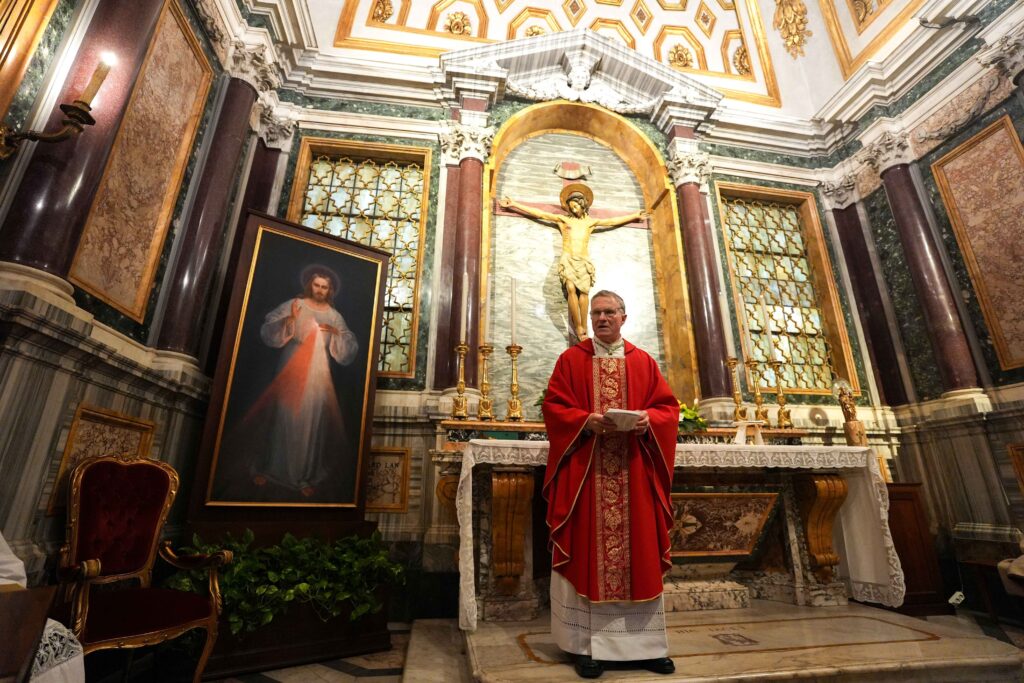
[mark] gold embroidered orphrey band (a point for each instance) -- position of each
(611, 485)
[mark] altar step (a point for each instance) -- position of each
(767, 641)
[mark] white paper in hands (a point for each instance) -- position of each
(625, 420)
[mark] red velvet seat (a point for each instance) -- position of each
(116, 513)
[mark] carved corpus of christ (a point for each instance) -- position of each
(575, 269)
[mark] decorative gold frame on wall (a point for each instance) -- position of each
(87, 413)
(406, 455)
(310, 146)
(21, 28)
(136, 310)
(848, 62)
(648, 167)
(1002, 125)
(834, 325)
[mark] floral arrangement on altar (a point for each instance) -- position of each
(690, 420)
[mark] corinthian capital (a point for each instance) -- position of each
(276, 131)
(462, 141)
(1006, 54)
(840, 193)
(887, 151)
(254, 66)
(686, 164)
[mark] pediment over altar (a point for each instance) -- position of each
(578, 66)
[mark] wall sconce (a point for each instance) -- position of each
(76, 114)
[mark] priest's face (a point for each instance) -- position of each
(606, 318)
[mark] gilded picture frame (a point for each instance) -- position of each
(292, 404)
(97, 432)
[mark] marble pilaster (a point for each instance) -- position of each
(890, 156)
(48, 213)
(202, 234)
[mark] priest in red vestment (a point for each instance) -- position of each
(608, 492)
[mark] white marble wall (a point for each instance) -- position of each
(529, 250)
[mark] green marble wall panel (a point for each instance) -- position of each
(844, 302)
(417, 383)
(1014, 108)
(402, 111)
(529, 250)
(111, 316)
(909, 316)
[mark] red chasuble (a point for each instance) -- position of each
(609, 505)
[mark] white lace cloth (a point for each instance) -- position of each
(868, 560)
(59, 658)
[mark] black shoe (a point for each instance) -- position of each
(661, 665)
(588, 667)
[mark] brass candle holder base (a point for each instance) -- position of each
(515, 406)
(459, 402)
(760, 409)
(485, 409)
(739, 413)
(784, 419)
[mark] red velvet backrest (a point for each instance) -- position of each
(121, 510)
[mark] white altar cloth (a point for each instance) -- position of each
(868, 560)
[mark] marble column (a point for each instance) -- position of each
(45, 221)
(689, 169)
(203, 233)
(469, 141)
(444, 359)
(890, 157)
(841, 198)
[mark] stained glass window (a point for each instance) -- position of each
(772, 278)
(378, 203)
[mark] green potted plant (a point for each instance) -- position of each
(301, 589)
(689, 420)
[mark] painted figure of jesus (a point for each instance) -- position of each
(306, 430)
(575, 269)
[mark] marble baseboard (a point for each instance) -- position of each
(518, 608)
(694, 596)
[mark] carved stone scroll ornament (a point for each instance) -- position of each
(841, 193)
(215, 31)
(887, 151)
(689, 167)
(577, 84)
(460, 141)
(1006, 54)
(275, 131)
(253, 65)
(989, 84)
(791, 23)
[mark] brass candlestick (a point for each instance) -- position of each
(739, 413)
(485, 409)
(459, 411)
(760, 409)
(515, 406)
(785, 422)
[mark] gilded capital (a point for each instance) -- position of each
(462, 141)
(686, 164)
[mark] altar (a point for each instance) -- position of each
(833, 500)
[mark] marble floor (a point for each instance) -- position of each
(768, 641)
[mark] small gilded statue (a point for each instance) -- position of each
(575, 269)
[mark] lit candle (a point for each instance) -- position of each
(465, 307)
(512, 312)
(107, 60)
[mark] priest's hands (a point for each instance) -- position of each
(599, 424)
(643, 423)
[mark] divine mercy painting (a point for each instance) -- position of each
(298, 387)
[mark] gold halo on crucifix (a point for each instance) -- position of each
(576, 188)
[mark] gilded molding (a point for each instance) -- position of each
(791, 23)
(461, 141)
(687, 165)
(253, 65)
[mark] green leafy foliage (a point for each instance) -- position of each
(689, 420)
(261, 583)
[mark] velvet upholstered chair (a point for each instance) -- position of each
(116, 512)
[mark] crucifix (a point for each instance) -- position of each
(575, 269)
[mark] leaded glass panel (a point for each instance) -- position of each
(376, 203)
(769, 262)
